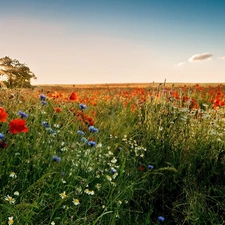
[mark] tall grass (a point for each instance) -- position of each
(155, 156)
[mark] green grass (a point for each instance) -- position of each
(112, 181)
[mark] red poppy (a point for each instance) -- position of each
(141, 168)
(3, 115)
(73, 96)
(58, 110)
(17, 125)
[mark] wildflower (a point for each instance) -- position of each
(3, 115)
(10, 220)
(73, 96)
(63, 195)
(83, 107)
(76, 202)
(98, 186)
(58, 110)
(45, 124)
(84, 140)
(10, 199)
(80, 132)
(23, 114)
(92, 129)
(52, 223)
(13, 175)
(51, 131)
(99, 145)
(119, 149)
(2, 136)
(16, 193)
(108, 178)
(91, 143)
(161, 219)
(112, 170)
(141, 168)
(17, 125)
(119, 202)
(44, 103)
(42, 97)
(113, 183)
(56, 158)
(150, 166)
(114, 160)
(63, 181)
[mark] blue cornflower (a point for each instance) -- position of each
(56, 158)
(150, 166)
(52, 131)
(23, 114)
(2, 136)
(112, 170)
(119, 149)
(42, 97)
(91, 143)
(93, 129)
(161, 219)
(44, 103)
(83, 139)
(80, 132)
(45, 124)
(83, 107)
(63, 173)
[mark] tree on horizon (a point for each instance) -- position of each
(15, 74)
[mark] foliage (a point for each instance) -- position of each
(14, 73)
(121, 156)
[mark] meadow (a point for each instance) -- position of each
(152, 154)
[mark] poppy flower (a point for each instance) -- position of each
(3, 115)
(73, 96)
(58, 110)
(141, 168)
(17, 125)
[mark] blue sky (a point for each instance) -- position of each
(116, 41)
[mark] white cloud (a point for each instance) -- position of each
(179, 64)
(222, 58)
(200, 57)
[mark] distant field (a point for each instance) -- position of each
(72, 87)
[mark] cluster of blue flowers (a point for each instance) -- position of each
(48, 127)
(43, 99)
(92, 129)
(23, 115)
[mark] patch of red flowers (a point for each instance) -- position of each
(3, 115)
(17, 125)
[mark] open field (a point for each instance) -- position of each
(113, 154)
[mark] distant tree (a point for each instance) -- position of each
(15, 74)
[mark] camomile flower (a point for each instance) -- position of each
(76, 201)
(10, 199)
(13, 175)
(63, 195)
(10, 220)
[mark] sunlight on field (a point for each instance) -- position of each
(113, 154)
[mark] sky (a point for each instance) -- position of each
(116, 41)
